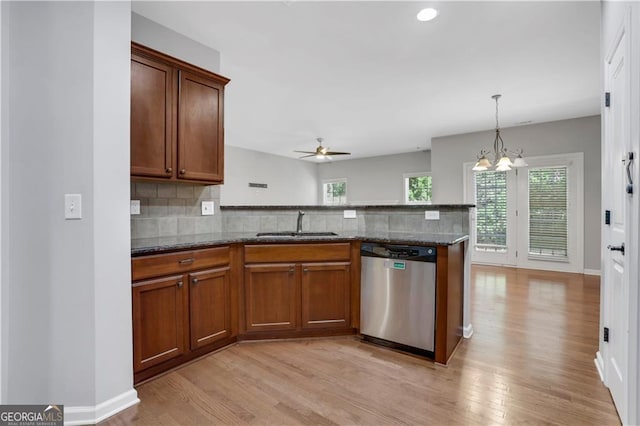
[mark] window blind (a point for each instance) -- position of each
(491, 211)
(548, 230)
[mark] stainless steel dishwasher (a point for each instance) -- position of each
(398, 298)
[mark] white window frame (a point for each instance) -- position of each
(335, 180)
(405, 186)
(575, 263)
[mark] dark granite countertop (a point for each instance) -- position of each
(143, 246)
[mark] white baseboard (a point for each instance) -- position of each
(591, 272)
(467, 331)
(599, 362)
(90, 415)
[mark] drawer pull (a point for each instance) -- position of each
(169, 170)
(291, 270)
(305, 270)
(186, 261)
(194, 281)
(183, 171)
(179, 284)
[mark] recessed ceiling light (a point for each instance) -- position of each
(427, 14)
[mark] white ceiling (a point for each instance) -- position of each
(372, 80)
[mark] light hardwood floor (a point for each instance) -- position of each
(529, 361)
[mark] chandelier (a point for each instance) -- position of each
(500, 154)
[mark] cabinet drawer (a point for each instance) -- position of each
(184, 261)
(296, 252)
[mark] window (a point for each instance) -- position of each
(491, 211)
(417, 188)
(334, 191)
(548, 231)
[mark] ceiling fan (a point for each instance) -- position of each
(321, 152)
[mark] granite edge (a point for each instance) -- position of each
(244, 239)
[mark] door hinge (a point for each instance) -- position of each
(607, 217)
(606, 334)
(607, 99)
(516, 212)
(516, 253)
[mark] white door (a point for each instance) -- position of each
(615, 277)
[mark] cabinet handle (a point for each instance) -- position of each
(186, 261)
(169, 170)
(305, 270)
(194, 281)
(179, 283)
(183, 171)
(291, 270)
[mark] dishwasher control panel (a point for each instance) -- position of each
(394, 251)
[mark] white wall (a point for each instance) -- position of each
(558, 137)
(66, 282)
(111, 169)
(375, 180)
(165, 40)
(290, 181)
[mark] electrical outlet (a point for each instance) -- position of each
(73, 206)
(135, 207)
(207, 208)
(431, 215)
(350, 214)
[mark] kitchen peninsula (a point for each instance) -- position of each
(196, 293)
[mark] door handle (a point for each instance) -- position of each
(619, 248)
(194, 281)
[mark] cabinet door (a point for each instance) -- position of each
(152, 118)
(325, 295)
(210, 306)
(271, 297)
(159, 308)
(200, 128)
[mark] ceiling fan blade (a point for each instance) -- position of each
(306, 156)
(306, 152)
(337, 153)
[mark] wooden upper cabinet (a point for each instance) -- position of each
(201, 134)
(152, 106)
(177, 119)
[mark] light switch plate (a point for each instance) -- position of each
(73, 206)
(135, 207)
(207, 208)
(431, 215)
(350, 214)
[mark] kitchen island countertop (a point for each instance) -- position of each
(145, 246)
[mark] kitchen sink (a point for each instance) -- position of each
(293, 234)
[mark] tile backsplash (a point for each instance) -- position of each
(168, 210)
(173, 209)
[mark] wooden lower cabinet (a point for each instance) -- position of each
(325, 295)
(209, 307)
(296, 290)
(185, 314)
(271, 297)
(159, 308)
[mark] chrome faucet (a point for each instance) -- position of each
(299, 224)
